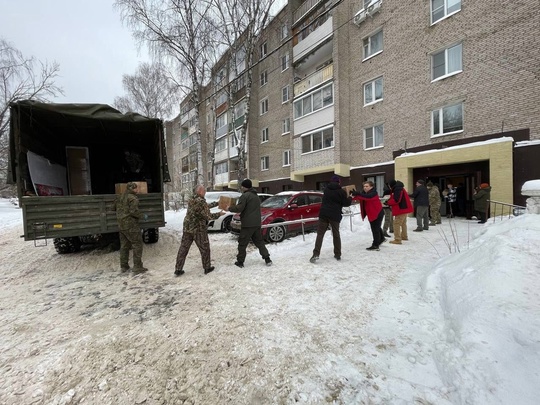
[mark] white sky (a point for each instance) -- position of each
(427, 322)
(86, 38)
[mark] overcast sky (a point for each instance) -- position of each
(87, 38)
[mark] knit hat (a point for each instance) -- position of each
(131, 185)
(429, 184)
(247, 183)
(484, 185)
(336, 179)
(422, 182)
(392, 183)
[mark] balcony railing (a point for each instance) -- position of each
(304, 8)
(314, 79)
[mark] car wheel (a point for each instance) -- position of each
(276, 233)
(226, 224)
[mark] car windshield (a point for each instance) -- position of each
(276, 201)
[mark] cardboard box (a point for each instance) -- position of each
(225, 201)
(119, 188)
(349, 188)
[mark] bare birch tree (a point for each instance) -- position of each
(178, 31)
(21, 78)
(241, 23)
(149, 92)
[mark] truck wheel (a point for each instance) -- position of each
(276, 233)
(150, 235)
(67, 245)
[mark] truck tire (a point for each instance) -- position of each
(150, 235)
(67, 245)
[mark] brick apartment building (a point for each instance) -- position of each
(443, 90)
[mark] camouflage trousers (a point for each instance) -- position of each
(131, 239)
(202, 242)
(388, 220)
(435, 212)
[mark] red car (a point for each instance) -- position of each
(286, 206)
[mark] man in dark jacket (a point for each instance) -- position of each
(249, 207)
(421, 205)
(481, 204)
(334, 199)
(195, 229)
(128, 215)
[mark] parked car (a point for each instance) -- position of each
(223, 223)
(286, 206)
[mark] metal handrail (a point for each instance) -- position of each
(513, 209)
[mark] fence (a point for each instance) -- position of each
(502, 210)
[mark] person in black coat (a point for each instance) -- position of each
(421, 204)
(334, 199)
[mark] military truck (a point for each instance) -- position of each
(69, 161)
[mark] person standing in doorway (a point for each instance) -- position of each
(421, 204)
(434, 203)
(128, 215)
(451, 195)
(401, 206)
(481, 203)
(195, 229)
(334, 199)
(249, 207)
(370, 206)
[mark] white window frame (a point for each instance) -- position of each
(265, 135)
(264, 49)
(438, 114)
(367, 52)
(221, 144)
(285, 94)
(445, 8)
(373, 137)
(286, 158)
(286, 126)
(372, 85)
(447, 73)
(265, 163)
(284, 62)
(263, 106)
(264, 78)
(300, 103)
(315, 134)
(284, 31)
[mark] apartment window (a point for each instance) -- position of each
(264, 106)
(447, 120)
(287, 157)
(285, 94)
(285, 62)
(233, 141)
(373, 91)
(443, 8)
(221, 144)
(221, 121)
(315, 101)
(321, 139)
(264, 50)
(264, 135)
(286, 125)
(222, 168)
(373, 137)
(264, 78)
(447, 62)
(265, 163)
(284, 31)
(373, 44)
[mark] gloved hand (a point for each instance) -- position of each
(145, 216)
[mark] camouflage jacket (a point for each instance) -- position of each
(434, 196)
(198, 214)
(126, 206)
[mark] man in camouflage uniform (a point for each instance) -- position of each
(196, 229)
(434, 203)
(128, 215)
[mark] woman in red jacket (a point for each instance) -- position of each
(401, 206)
(370, 205)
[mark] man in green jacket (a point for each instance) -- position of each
(249, 207)
(481, 204)
(128, 215)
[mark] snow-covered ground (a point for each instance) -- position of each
(450, 317)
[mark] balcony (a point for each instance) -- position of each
(314, 79)
(308, 44)
(304, 9)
